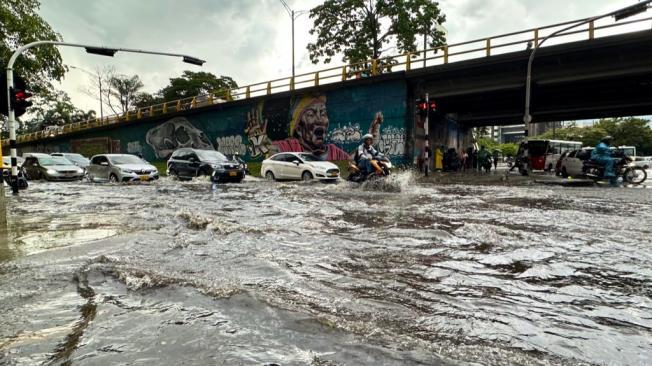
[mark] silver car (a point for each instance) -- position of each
(120, 168)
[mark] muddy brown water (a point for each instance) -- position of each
(264, 273)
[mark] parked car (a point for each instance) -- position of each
(644, 162)
(188, 163)
(295, 166)
(572, 164)
(77, 159)
(120, 168)
(44, 166)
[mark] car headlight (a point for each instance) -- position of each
(51, 171)
(218, 167)
(80, 170)
(126, 170)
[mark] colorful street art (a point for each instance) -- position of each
(174, 134)
(258, 143)
(329, 124)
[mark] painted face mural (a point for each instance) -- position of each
(309, 124)
(174, 134)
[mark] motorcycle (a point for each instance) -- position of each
(624, 168)
(356, 175)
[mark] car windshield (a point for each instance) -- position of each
(77, 158)
(211, 155)
(309, 157)
(125, 159)
(54, 160)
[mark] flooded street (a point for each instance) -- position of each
(263, 273)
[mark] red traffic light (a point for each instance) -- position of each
(19, 98)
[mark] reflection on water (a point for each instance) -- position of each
(302, 273)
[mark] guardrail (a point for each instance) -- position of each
(482, 47)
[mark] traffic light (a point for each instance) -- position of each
(424, 107)
(20, 97)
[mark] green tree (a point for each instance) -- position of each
(53, 108)
(360, 29)
(20, 24)
(191, 84)
(122, 92)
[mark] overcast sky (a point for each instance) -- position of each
(249, 40)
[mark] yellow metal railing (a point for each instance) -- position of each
(483, 47)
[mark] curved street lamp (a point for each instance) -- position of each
(104, 51)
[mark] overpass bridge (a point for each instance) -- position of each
(603, 70)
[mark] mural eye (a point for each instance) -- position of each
(181, 135)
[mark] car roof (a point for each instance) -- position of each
(34, 155)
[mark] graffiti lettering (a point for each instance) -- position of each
(229, 145)
(345, 135)
(134, 147)
(392, 141)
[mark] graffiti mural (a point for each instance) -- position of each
(308, 130)
(328, 123)
(347, 134)
(134, 147)
(174, 134)
(230, 145)
(392, 141)
(258, 143)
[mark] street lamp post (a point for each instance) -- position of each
(618, 15)
(293, 15)
(90, 49)
(99, 81)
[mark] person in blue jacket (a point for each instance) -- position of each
(602, 155)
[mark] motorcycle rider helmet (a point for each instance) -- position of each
(607, 139)
(368, 136)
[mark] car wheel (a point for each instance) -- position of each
(306, 176)
(113, 178)
(173, 174)
(564, 173)
(269, 175)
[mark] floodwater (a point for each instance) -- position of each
(264, 273)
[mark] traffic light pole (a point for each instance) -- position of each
(427, 142)
(90, 49)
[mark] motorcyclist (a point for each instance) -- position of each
(602, 155)
(367, 157)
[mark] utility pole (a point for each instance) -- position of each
(293, 15)
(426, 148)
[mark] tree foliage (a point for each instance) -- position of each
(625, 131)
(19, 25)
(191, 84)
(360, 29)
(53, 109)
(122, 92)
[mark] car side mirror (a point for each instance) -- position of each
(296, 162)
(104, 163)
(192, 160)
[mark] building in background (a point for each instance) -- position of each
(515, 133)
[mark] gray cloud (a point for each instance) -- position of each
(250, 39)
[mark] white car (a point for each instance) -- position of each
(644, 162)
(572, 163)
(298, 166)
